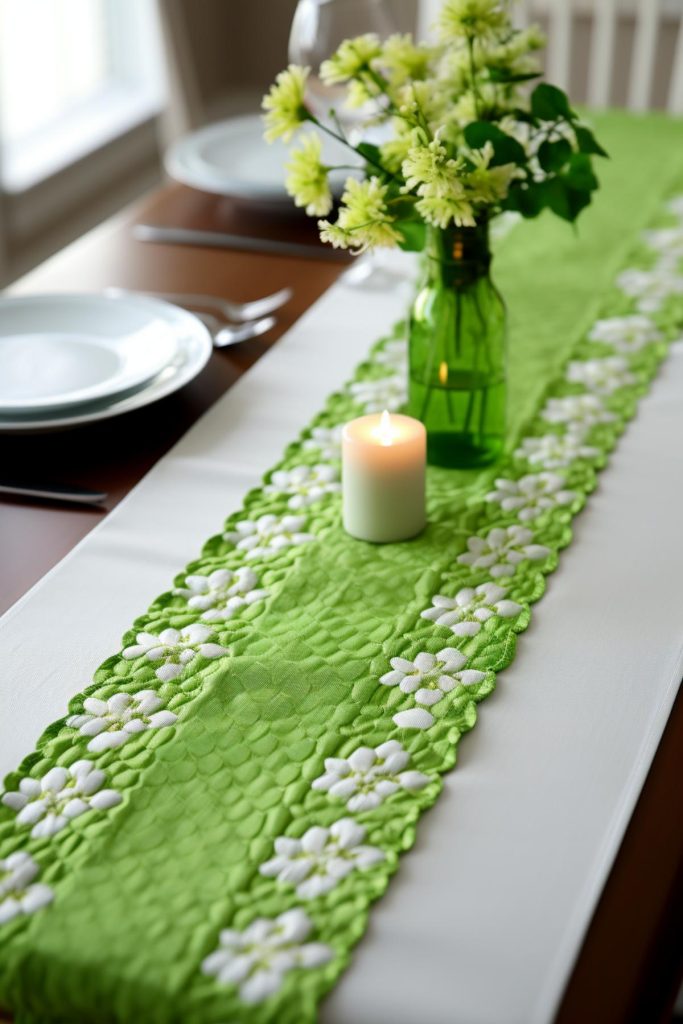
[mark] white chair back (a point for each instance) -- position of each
(656, 54)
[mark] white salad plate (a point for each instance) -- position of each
(58, 351)
(187, 342)
(231, 158)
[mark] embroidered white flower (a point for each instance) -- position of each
(377, 395)
(114, 721)
(675, 206)
(325, 440)
(258, 958)
(650, 287)
(471, 606)
(668, 241)
(222, 593)
(430, 676)
(367, 776)
(267, 535)
(50, 803)
(579, 411)
(604, 376)
(394, 355)
(175, 648)
(19, 894)
(625, 334)
(553, 451)
(305, 484)
(531, 495)
(319, 860)
(502, 550)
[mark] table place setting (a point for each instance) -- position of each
(198, 829)
(73, 359)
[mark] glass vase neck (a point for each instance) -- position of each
(459, 255)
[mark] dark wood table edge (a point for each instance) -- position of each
(630, 965)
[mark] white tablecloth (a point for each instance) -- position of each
(486, 915)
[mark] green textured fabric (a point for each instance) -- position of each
(143, 888)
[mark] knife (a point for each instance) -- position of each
(242, 243)
(54, 492)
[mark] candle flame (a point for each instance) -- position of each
(443, 373)
(385, 431)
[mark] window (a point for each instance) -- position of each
(74, 74)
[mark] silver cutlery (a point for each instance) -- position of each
(229, 334)
(226, 309)
(54, 492)
(224, 335)
(241, 243)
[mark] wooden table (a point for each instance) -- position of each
(632, 961)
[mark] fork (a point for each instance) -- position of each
(225, 335)
(226, 308)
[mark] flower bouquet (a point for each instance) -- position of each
(460, 137)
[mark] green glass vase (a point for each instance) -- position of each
(458, 350)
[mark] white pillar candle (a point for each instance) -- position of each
(383, 477)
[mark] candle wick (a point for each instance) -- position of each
(386, 431)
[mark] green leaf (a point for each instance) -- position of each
(506, 149)
(549, 103)
(580, 174)
(577, 201)
(372, 154)
(414, 233)
(564, 201)
(503, 75)
(587, 142)
(525, 200)
(525, 116)
(553, 156)
(553, 193)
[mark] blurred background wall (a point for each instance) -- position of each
(243, 44)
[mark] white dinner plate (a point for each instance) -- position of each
(193, 347)
(231, 158)
(59, 351)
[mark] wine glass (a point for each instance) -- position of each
(318, 27)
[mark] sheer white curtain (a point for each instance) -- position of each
(79, 106)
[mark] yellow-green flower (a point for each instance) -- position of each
(358, 94)
(465, 109)
(338, 237)
(456, 68)
(395, 151)
(514, 55)
(364, 201)
(284, 104)
(450, 208)
(364, 221)
(424, 101)
(404, 60)
(352, 57)
(428, 168)
(487, 185)
(306, 179)
(471, 19)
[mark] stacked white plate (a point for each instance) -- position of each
(231, 158)
(67, 360)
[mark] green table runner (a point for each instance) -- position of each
(200, 838)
